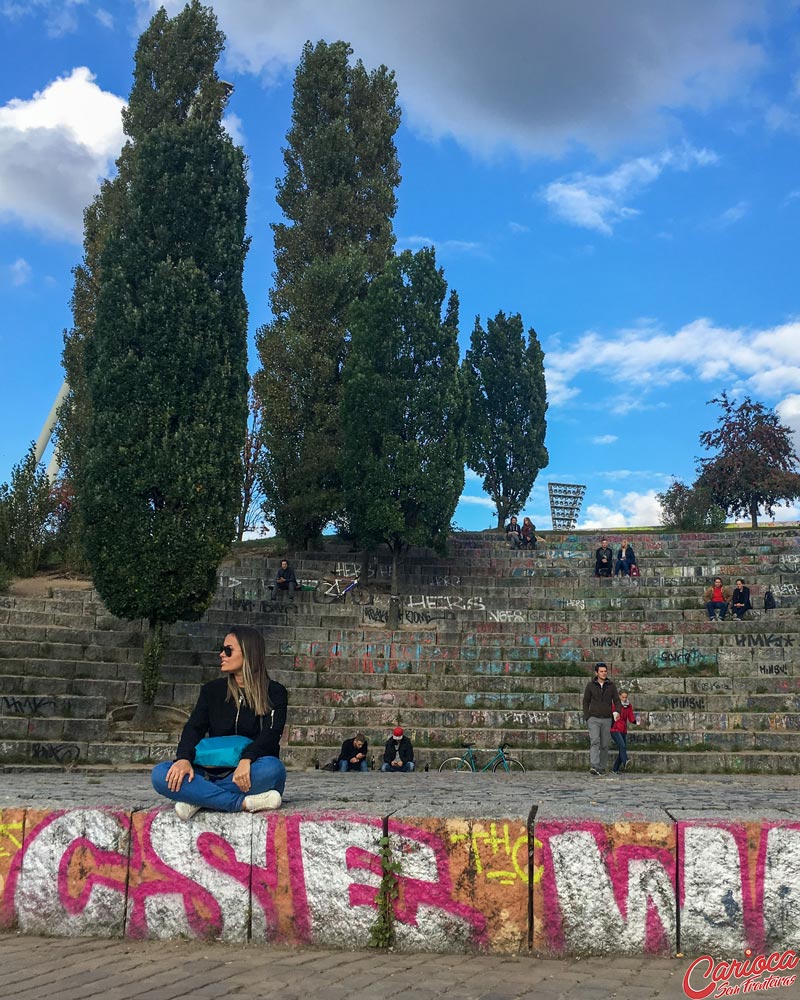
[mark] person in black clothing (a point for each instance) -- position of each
(740, 599)
(353, 755)
(285, 581)
(603, 558)
(399, 753)
(243, 702)
(512, 532)
(601, 703)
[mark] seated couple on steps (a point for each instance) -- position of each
(242, 702)
(718, 599)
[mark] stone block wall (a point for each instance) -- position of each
(561, 886)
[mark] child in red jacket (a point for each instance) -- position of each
(619, 731)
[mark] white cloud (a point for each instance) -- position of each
(604, 439)
(445, 246)
(104, 17)
(59, 16)
(597, 201)
(478, 501)
(631, 510)
(540, 78)
(20, 272)
(788, 411)
(54, 150)
(734, 214)
(517, 227)
(766, 362)
(233, 126)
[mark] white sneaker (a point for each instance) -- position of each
(184, 810)
(263, 800)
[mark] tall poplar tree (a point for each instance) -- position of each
(404, 410)
(508, 402)
(166, 361)
(338, 199)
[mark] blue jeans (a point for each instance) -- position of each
(345, 765)
(211, 792)
(718, 607)
(621, 740)
(408, 766)
(621, 566)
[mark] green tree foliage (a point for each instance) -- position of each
(508, 402)
(338, 200)
(165, 364)
(690, 508)
(252, 459)
(404, 409)
(26, 505)
(755, 467)
(73, 417)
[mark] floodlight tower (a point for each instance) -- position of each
(47, 432)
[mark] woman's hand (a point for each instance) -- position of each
(241, 776)
(179, 770)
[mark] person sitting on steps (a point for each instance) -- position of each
(717, 599)
(740, 599)
(285, 581)
(527, 534)
(512, 532)
(353, 755)
(399, 753)
(603, 557)
(626, 558)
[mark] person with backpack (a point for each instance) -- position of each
(769, 600)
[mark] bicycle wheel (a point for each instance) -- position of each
(325, 593)
(509, 766)
(455, 764)
(360, 595)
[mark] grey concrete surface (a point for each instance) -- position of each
(557, 795)
(70, 969)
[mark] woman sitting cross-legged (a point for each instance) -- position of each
(242, 702)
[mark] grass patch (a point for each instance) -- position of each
(683, 670)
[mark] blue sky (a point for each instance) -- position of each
(625, 174)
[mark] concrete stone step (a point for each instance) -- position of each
(424, 737)
(429, 685)
(52, 729)
(116, 650)
(15, 703)
(574, 757)
(766, 726)
(317, 699)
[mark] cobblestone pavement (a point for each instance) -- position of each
(70, 969)
(567, 793)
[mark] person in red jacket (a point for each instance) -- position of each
(619, 731)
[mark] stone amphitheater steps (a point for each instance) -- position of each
(495, 645)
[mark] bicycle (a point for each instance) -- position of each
(499, 762)
(328, 591)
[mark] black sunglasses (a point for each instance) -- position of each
(227, 650)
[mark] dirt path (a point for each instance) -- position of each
(42, 584)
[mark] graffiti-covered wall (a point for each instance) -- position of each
(626, 887)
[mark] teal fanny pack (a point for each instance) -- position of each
(220, 751)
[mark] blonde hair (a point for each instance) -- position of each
(254, 671)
